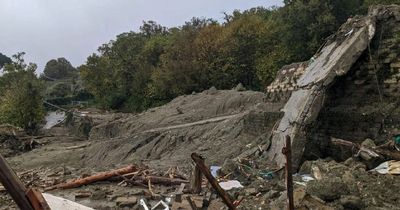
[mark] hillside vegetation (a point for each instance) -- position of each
(142, 69)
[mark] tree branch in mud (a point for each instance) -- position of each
(95, 178)
(376, 151)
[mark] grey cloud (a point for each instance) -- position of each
(47, 29)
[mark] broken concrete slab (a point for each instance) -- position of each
(337, 56)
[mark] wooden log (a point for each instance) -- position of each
(287, 151)
(95, 178)
(13, 185)
(195, 180)
(37, 200)
(206, 171)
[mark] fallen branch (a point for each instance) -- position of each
(95, 178)
(376, 151)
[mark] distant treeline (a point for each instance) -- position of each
(152, 66)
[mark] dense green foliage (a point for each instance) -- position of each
(63, 85)
(20, 94)
(59, 68)
(4, 60)
(147, 68)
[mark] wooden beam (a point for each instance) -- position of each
(13, 185)
(195, 181)
(287, 151)
(206, 171)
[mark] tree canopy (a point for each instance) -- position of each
(21, 94)
(59, 68)
(4, 60)
(149, 67)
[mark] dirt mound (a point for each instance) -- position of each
(218, 124)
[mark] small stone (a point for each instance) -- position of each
(99, 194)
(272, 194)
(251, 191)
(126, 201)
(328, 189)
(212, 90)
(351, 202)
(240, 87)
(368, 143)
(298, 196)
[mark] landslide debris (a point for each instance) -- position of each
(219, 124)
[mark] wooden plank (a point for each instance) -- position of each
(195, 181)
(13, 185)
(214, 183)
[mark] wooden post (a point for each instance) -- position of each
(195, 181)
(13, 185)
(206, 171)
(287, 151)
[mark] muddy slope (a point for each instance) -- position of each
(218, 124)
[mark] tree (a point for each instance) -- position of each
(21, 96)
(59, 68)
(4, 60)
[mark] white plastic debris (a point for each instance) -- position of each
(161, 203)
(214, 170)
(228, 185)
(307, 177)
(143, 203)
(388, 167)
(58, 203)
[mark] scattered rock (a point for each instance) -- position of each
(272, 194)
(126, 201)
(351, 202)
(328, 189)
(251, 191)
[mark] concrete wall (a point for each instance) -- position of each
(365, 102)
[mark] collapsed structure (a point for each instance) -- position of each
(364, 52)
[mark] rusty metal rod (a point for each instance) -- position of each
(214, 183)
(287, 151)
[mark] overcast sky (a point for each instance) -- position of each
(47, 29)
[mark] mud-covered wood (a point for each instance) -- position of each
(95, 178)
(13, 185)
(195, 181)
(37, 200)
(214, 183)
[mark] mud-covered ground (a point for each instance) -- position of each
(229, 128)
